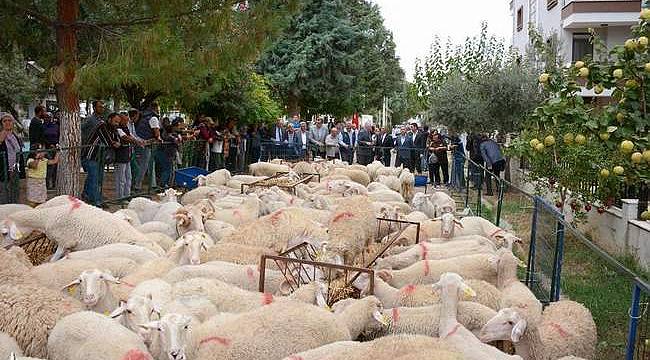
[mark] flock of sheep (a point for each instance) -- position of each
(177, 279)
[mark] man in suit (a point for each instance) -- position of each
(385, 141)
(404, 145)
(317, 135)
(301, 140)
(347, 138)
(278, 135)
(419, 145)
(364, 152)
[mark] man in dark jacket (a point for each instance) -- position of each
(36, 130)
(386, 143)
(364, 152)
(494, 161)
(404, 145)
(419, 145)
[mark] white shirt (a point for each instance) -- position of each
(303, 135)
(154, 123)
(278, 134)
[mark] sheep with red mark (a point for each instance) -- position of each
(87, 335)
(430, 251)
(479, 266)
(352, 227)
(445, 226)
(243, 276)
(248, 211)
(28, 313)
(74, 226)
(296, 327)
(566, 328)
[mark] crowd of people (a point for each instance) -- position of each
(133, 140)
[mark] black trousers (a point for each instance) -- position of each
(434, 173)
(405, 161)
(386, 158)
(497, 168)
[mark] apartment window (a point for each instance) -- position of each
(520, 18)
(582, 47)
(550, 4)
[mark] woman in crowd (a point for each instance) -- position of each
(458, 165)
(11, 147)
(438, 160)
(37, 167)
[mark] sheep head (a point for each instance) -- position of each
(137, 310)
(454, 285)
(173, 333)
(170, 195)
(201, 180)
(449, 223)
(93, 285)
(11, 232)
(189, 246)
(507, 324)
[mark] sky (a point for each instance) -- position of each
(414, 23)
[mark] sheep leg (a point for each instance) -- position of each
(58, 254)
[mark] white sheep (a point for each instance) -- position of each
(565, 328)
(8, 346)
(75, 226)
(476, 225)
(14, 269)
(163, 240)
(60, 273)
(215, 178)
(453, 332)
(170, 336)
(135, 311)
(218, 230)
(144, 207)
(87, 335)
(386, 196)
(247, 212)
(28, 313)
(392, 182)
(356, 213)
(235, 253)
(266, 169)
(407, 188)
(129, 215)
(136, 253)
(514, 294)
(296, 327)
(187, 249)
(147, 271)
(376, 186)
(93, 289)
(430, 251)
(479, 266)
(346, 188)
(238, 180)
(159, 227)
(357, 176)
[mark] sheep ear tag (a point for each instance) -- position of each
(72, 289)
(381, 318)
(469, 292)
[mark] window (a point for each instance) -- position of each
(582, 47)
(550, 4)
(520, 18)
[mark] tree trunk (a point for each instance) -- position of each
(68, 181)
(293, 107)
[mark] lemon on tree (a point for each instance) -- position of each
(646, 156)
(630, 44)
(598, 89)
(620, 117)
(544, 78)
(604, 136)
(646, 67)
(645, 14)
(636, 157)
(627, 146)
(604, 173)
(568, 138)
(581, 139)
(583, 72)
(533, 143)
(580, 64)
(549, 140)
(645, 215)
(618, 73)
(631, 84)
(642, 41)
(618, 170)
(539, 147)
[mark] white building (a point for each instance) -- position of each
(571, 19)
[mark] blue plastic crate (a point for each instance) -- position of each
(185, 177)
(420, 180)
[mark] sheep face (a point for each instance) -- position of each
(507, 324)
(11, 232)
(170, 195)
(201, 180)
(190, 218)
(137, 310)
(449, 222)
(190, 245)
(93, 285)
(172, 333)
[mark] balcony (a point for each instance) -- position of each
(580, 14)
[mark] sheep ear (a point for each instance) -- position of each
(204, 247)
(377, 315)
(74, 282)
(518, 330)
(457, 222)
(111, 278)
(12, 356)
(119, 311)
(153, 325)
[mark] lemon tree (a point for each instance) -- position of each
(585, 152)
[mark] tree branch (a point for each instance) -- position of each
(30, 12)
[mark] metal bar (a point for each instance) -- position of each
(533, 241)
(478, 192)
(262, 273)
(316, 263)
(556, 282)
(499, 202)
(634, 320)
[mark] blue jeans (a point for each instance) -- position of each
(91, 185)
(142, 157)
(163, 168)
(122, 180)
(458, 173)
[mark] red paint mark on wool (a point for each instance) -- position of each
(295, 357)
(136, 354)
(216, 339)
(408, 289)
(453, 331)
(495, 232)
(559, 329)
(343, 216)
(237, 213)
(267, 298)
(75, 203)
(275, 217)
(250, 273)
(395, 315)
(426, 268)
(522, 306)
(424, 252)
